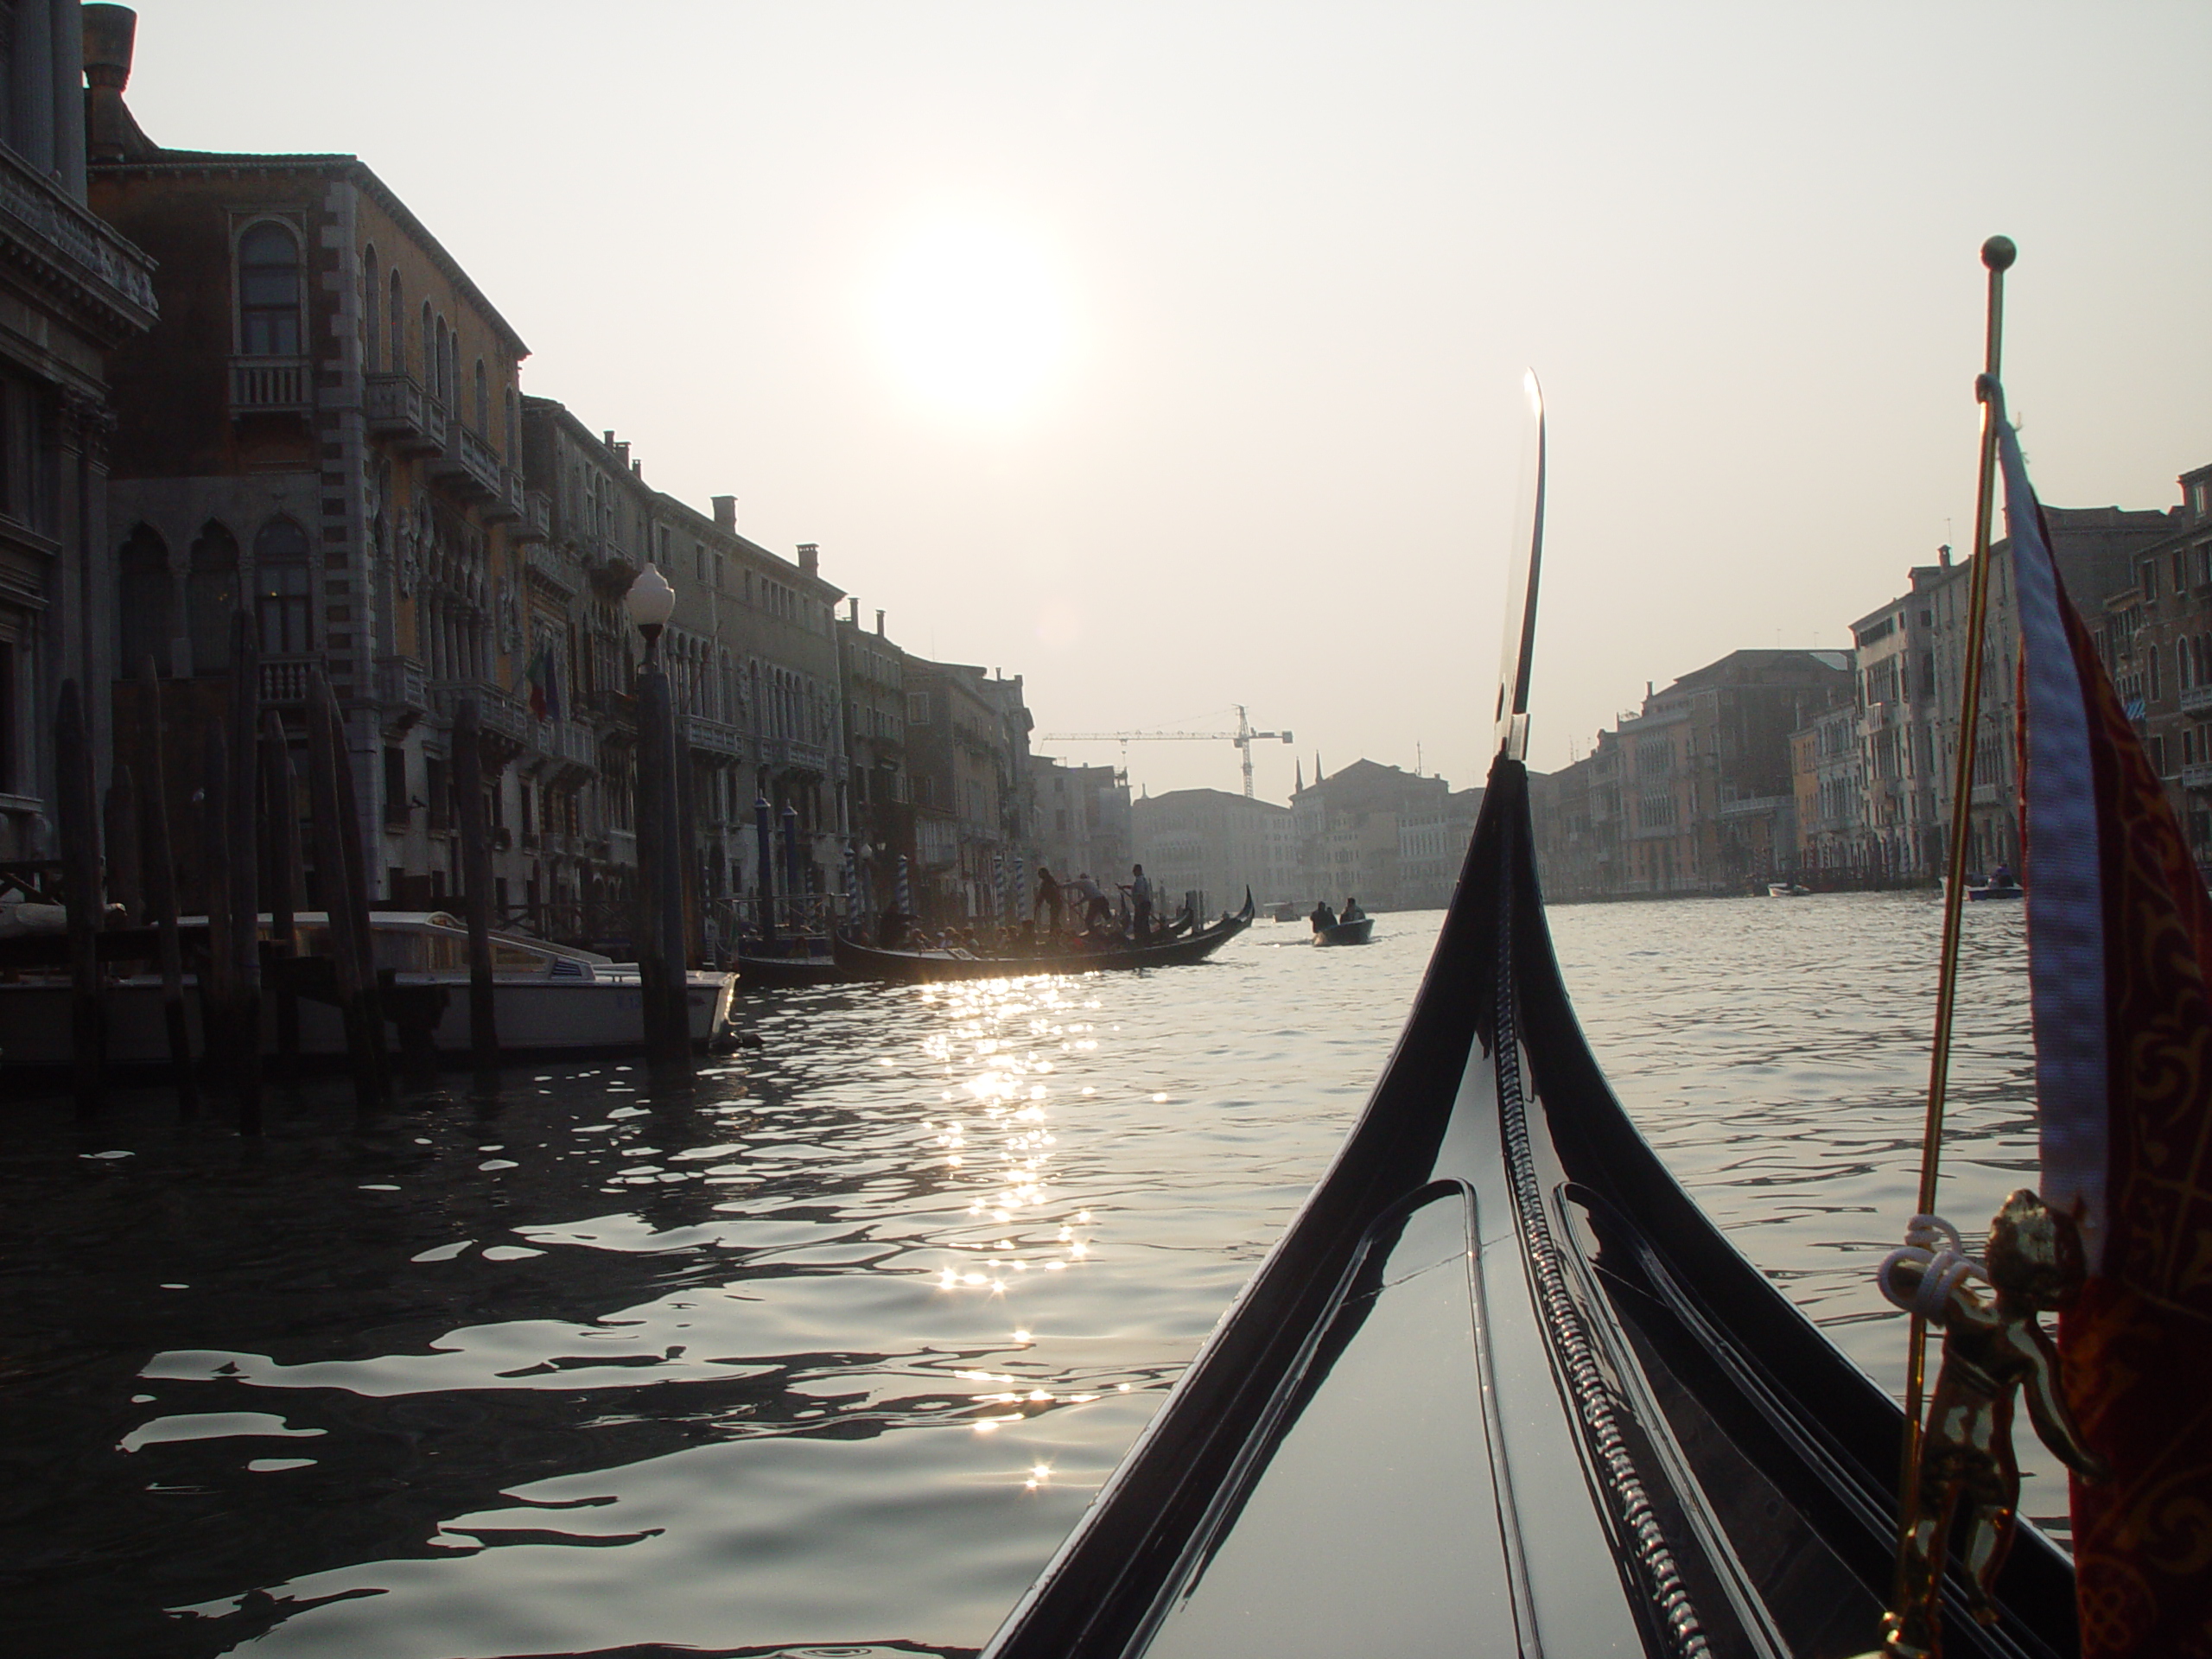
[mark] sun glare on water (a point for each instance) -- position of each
(973, 319)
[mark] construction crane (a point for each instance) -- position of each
(1244, 737)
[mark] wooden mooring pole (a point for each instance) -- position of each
(160, 863)
(77, 821)
(331, 831)
(242, 842)
(119, 839)
(357, 899)
(217, 1031)
(476, 887)
(280, 785)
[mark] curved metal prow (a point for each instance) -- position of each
(1522, 576)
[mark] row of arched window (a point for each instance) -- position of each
(384, 317)
(208, 588)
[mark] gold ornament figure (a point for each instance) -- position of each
(1969, 1481)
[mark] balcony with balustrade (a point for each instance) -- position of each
(467, 466)
(2196, 700)
(535, 508)
(271, 385)
(715, 738)
(501, 716)
(285, 680)
(555, 566)
(403, 691)
(400, 413)
(507, 504)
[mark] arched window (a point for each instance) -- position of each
(268, 291)
(211, 596)
(449, 345)
(372, 312)
(514, 429)
(483, 400)
(147, 598)
(430, 355)
(280, 566)
(398, 327)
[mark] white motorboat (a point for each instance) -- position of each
(547, 998)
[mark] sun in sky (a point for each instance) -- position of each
(972, 317)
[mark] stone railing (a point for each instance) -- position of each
(401, 412)
(467, 464)
(712, 736)
(103, 262)
(285, 679)
(557, 565)
(497, 711)
(2197, 699)
(535, 524)
(271, 385)
(401, 684)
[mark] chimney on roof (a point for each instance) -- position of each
(852, 610)
(610, 437)
(878, 625)
(111, 134)
(726, 514)
(1944, 555)
(810, 559)
(637, 467)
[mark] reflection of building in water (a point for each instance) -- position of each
(71, 289)
(1214, 843)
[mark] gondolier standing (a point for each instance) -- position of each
(1141, 902)
(1048, 899)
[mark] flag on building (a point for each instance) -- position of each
(2119, 940)
(545, 685)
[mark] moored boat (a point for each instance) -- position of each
(548, 998)
(808, 959)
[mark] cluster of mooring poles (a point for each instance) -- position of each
(120, 889)
(119, 884)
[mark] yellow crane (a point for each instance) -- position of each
(1244, 737)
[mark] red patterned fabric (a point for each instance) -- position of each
(2138, 1347)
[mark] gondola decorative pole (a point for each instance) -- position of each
(1997, 255)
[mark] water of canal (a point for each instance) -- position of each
(831, 1357)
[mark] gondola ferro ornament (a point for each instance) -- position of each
(1992, 1345)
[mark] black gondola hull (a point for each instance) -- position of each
(1671, 1458)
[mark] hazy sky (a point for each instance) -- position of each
(1170, 354)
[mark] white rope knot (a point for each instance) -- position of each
(1933, 1246)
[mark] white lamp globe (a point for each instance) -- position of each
(650, 601)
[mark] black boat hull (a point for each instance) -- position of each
(1358, 932)
(1615, 1435)
(856, 961)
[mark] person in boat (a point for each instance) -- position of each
(1097, 908)
(1323, 918)
(2003, 878)
(890, 931)
(1352, 911)
(1048, 900)
(1140, 892)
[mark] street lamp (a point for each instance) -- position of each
(662, 947)
(650, 601)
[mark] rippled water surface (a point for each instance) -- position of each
(832, 1355)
